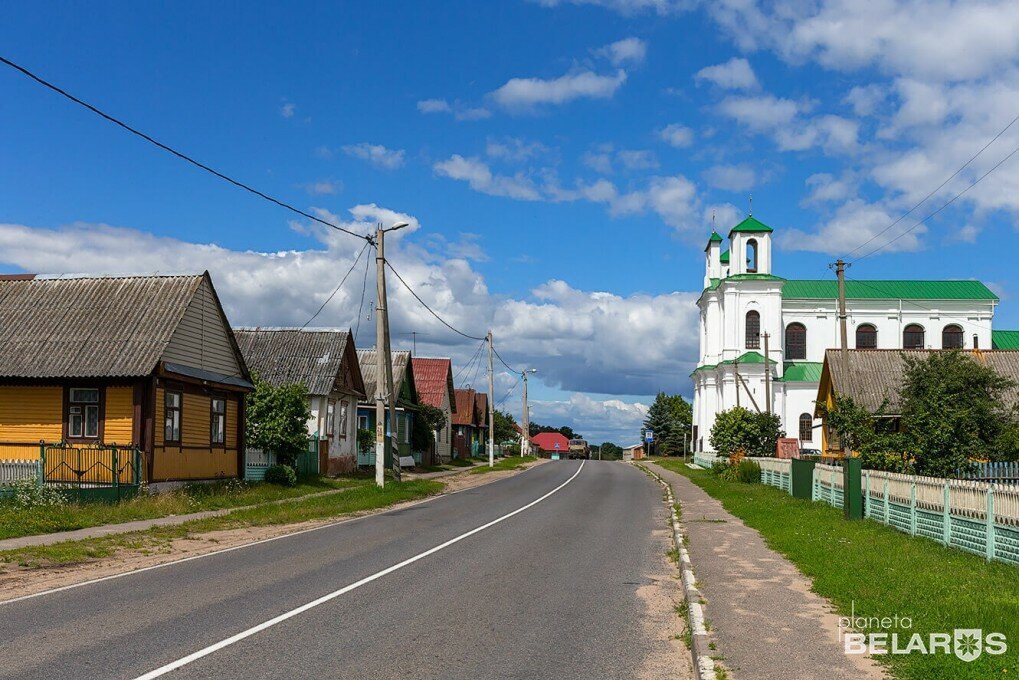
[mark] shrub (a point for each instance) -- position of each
(748, 471)
(282, 475)
(28, 494)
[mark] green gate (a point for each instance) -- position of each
(307, 463)
(84, 473)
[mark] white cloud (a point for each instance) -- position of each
(434, 106)
(376, 154)
(825, 188)
(599, 159)
(514, 149)
(524, 94)
(637, 159)
(764, 112)
(677, 135)
(854, 223)
(598, 420)
(481, 178)
(724, 216)
(738, 177)
(735, 74)
(324, 187)
(627, 7)
(288, 109)
(626, 51)
(865, 99)
(457, 109)
(791, 131)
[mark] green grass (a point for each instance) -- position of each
(16, 522)
(883, 572)
(507, 463)
(461, 462)
(357, 499)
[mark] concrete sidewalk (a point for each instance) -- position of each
(765, 620)
(141, 524)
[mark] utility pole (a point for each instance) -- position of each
(840, 272)
(735, 368)
(525, 441)
(767, 377)
(383, 361)
(491, 404)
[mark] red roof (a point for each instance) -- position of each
(546, 441)
(432, 378)
(464, 407)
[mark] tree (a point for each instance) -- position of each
(433, 418)
(505, 427)
(869, 434)
(277, 419)
(953, 411)
(739, 430)
(610, 451)
(670, 418)
(565, 430)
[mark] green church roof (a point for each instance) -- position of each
(751, 225)
(1005, 339)
(827, 289)
(802, 371)
(748, 358)
(725, 258)
(714, 238)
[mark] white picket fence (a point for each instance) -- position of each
(12, 471)
(776, 472)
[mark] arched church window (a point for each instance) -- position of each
(806, 427)
(951, 337)
(751, 256)
(753, 330)
(912, 337)
(866, 336)
(795, 342)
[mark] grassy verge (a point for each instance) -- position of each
(359, 499)
(15, 522)
(461, 462)
(881, 572)
(507, 463)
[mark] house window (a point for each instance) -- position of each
(83, 413)
(951, 337)
(795, 341)
(217, 421)
(172, 402)
(753, 330)
(806, 427)
(343, 419)
(362, 422)
(330, 414)
(912, 337)
(406, 428)
(751, 256)
(976, 341)
(866, 336)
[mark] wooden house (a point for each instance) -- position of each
(146, 362)
(406, 400)
(325, 362)
(469, 430)
(433, 379)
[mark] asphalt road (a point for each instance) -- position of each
(549, 592)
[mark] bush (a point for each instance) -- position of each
(738, 470)
(281, 475)
(28, 494)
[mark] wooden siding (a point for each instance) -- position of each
(29, 414)
(195, 458)
(24, 451)
(119, 426)
(202, 338)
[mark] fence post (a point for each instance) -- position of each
(851, 500)
(912, 508)
(946, 530)
(866, 497)
(40, 476)
(886, 501)
(990, 522)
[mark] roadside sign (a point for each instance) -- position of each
(649, 436)
(557, 446)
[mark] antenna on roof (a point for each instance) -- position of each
(712, 220)
(750, 209)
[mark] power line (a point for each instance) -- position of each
(433, 312)
(360, 307)
(470, 362)
(338, 286)
(178, 154)
(511, 369)
(508, 392)
(940, 187)
(945, 205)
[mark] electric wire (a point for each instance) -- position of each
(508, 393)
(338, 286)
(432, 311)
(178, 154)
(510, 368)
(360, 307)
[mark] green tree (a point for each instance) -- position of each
(610, 451)
(740, 430)
(433, 418)
(869, 434)
(952, 411)
(670, 418)
(505, 427)
(277, 419)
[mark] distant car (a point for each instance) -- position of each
(810, 453)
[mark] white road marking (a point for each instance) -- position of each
(211, 649)
(238, 547)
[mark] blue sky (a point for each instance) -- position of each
(559, 160)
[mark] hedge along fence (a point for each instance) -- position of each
(977, 517)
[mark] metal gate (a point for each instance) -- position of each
(86, 473)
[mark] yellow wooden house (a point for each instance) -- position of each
(143, 362)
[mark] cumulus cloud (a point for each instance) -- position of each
(480, 177)
(457, 109)
(514, 149)
(739, 177)
(626, 51)
(288, 110)
(598, 421)
(628, 7)
(376, 154)
(525, 94)
(782, 119)
(853, 224)
(677, 135)
(735, 74)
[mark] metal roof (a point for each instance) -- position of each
(825, 289)
(751, 224)
(90, 327)
(546, 441)
(802, 371)
(401, 364)
(288, 356)
(466, 406)
(433, 377)
(876, 374)
(1005, 339)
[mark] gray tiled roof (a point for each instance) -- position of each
(89, 327)
(287, 356)
(366, 357)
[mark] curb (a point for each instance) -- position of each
(699, 637)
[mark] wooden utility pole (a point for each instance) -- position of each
(735, 368)
(381, 358)
(491, 404)
(840, 272)
(767, 377)
(525, 439)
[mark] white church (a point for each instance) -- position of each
(745, 306)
